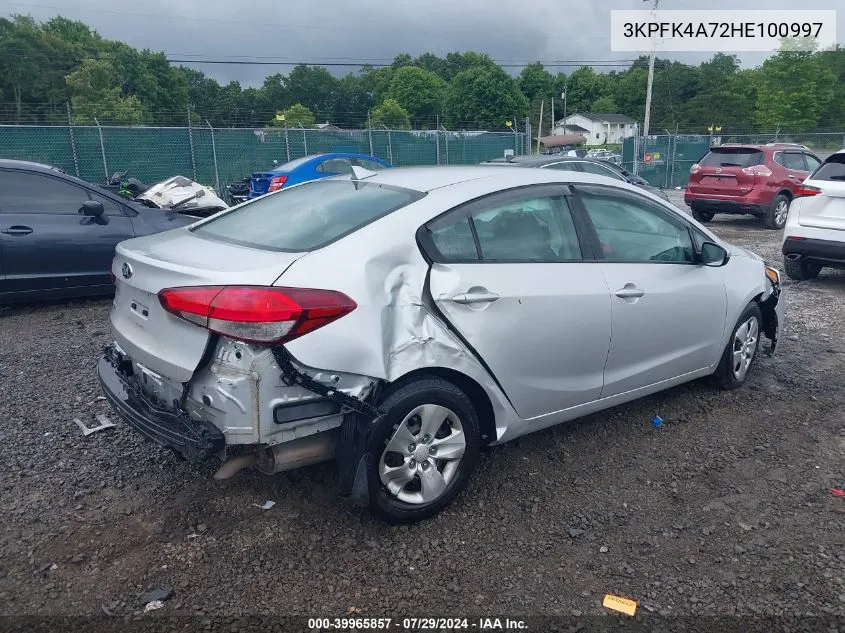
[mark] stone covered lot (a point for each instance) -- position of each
(726, 510)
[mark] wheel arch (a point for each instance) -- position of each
(479, 397)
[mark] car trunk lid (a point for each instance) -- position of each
(728, 171)
(825, 210)
(142, 328)
(260, 181)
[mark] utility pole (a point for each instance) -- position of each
(540, 125)
(563, 96)
(650, 77)
(553, 116)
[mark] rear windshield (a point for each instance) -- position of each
(832, 169)
(732, 157)
(290, 166)
(308, 216)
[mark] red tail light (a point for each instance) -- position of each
(695, 169)
(256, 314)
(758, 170)
(276, 183)
(807, 190)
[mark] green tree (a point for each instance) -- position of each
(95, 96)
(794, 89)
(313, 87)
(583, 87)
(605, 105)
(299, 116)
(536, 82)
(420, 92)
(484, 97)
(391, 115)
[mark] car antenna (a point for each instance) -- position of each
(360, 173)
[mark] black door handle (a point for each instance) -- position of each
(17, 230)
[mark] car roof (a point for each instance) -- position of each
(9, 163)
(325, 155)
(425, 179)
(533, 161)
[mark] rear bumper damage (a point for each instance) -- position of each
(170, 428)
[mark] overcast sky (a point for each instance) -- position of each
(357, 30)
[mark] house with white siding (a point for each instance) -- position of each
(598, 128)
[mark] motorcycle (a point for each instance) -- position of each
(238, 191)
(129, 188)
(182, 195)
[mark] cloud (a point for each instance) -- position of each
(368, 30)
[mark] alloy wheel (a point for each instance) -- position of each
(744, 347)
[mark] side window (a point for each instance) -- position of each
(812, 162)
(600, 170)
(110, 207)
(25, 192)
(370, 164)
(565, 166)
(335, 166)
(779, 158)
(631, 230)
(513, 227)
(794, 160)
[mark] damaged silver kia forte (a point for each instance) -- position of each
(400, 321)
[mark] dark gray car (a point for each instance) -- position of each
(58, 233)
(579, 164)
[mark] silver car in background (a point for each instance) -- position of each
(399, 321)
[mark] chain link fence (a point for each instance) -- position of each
(217, 157)
(665, 161)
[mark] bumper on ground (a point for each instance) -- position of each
(824, 252)
(173, 429)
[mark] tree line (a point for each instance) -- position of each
(44, 66)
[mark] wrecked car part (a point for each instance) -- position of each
(235, 465)
(171, 428)
(86, 430)
(298, 453)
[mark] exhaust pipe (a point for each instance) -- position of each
(234, 465)
(304, 451)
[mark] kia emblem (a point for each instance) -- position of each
(126, 270)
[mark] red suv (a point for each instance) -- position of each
(758, 179)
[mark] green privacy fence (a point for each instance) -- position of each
(665, 161)
(217, 157)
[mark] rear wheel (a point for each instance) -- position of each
(702, 216)
(426, 447)
(799, 270)
(775, 217)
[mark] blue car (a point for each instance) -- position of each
(311, 168)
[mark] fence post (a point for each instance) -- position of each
(102, 149)
(304, 140)
(191, 144)
(370, 135)
(287, 142)
(446, 138)
(527, 144)
(674, 156)
(72, 140)
(214, 153)
(635, 166)
(437, 139)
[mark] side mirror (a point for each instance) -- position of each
(92, 208)
(713, 255)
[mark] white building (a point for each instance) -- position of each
(600, 129)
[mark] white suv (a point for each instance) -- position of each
(814, 234)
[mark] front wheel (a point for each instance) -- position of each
(426, 447)
(741, 350)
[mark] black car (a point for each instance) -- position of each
(58, 233)
(581, 164)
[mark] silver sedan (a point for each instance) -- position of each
(399, 321)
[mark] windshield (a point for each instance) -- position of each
(732, 157)
(308, 216)
(832, 169)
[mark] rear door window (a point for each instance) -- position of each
(600, 170)
(370, 164)
(308, 216)
(832, 169)
(794, 160)
(732, 157)
(335, 166)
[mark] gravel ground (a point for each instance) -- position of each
(726, 510)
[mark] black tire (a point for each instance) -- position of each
(726, 377)
(702, 216)
(774, 219)
(799, 270)
(398, 404)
